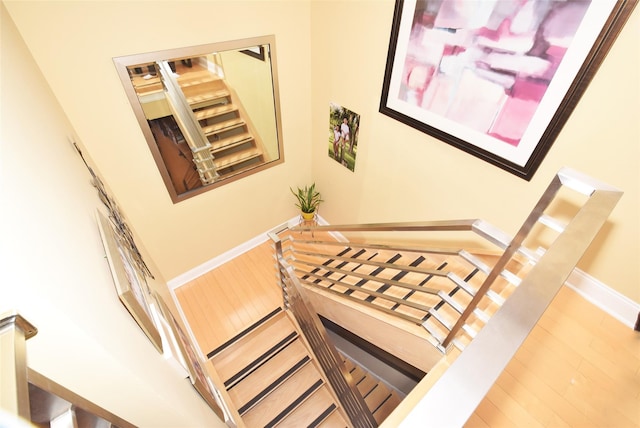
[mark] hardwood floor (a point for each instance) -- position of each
(221, 303)
(579, 367)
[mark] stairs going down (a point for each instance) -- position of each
(272, 379)
(234, 143)
(380, 399)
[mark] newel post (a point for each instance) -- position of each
(14, 387)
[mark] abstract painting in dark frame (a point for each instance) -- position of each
(495, 79)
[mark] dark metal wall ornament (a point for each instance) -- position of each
(117, 219)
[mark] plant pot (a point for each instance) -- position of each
(308, 216)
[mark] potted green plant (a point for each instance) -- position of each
(308, 200)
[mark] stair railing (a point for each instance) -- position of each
(477, 368)
(14, 388)
(197, 141)
(301, 252)
(562, 227)
(323, 349)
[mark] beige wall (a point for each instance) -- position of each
(401, 173)
(54, 270)
(404, 175)
(74, 42)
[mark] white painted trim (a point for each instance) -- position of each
(604, 297)
(231, 254)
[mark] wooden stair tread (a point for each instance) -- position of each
(206, 96)
(237, 158)
(367, 384)
(334, 420)
(385, 409)
(349, 365)
(377, 396)
(254, 384)
(308, 412)
(223, 126)
(286, 394)
(380, 399)
(237, 357)
(357, 374)
(229, 142)
(196, 78)
(217, 110)
(200, 85)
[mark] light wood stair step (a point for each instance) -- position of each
(201, 99)
(194, 78)
(386, 407)
(378, 394)
(225, 125)
(284, 399)
(217, 110)
(334, 420)
(311, 412)
(229, 142)
(269, 376)
(366, 384)
(201, 85)
(237, 158)
(380, 399)
(240, 358)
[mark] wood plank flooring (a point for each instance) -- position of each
(578, 368)
(221, 303)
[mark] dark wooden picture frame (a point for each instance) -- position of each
(440, 76)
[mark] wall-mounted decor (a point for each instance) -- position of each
(344, 127)
(210, 114)
(117, 219)
(496, 79)
(191, 358)
(131, 286)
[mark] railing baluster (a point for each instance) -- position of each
(328, 357)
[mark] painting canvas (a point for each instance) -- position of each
(497, 79)
(344, 127)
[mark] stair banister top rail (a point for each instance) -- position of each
(418, 226)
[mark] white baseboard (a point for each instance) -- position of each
(610, 301)
(604, 297)
(231, 254)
